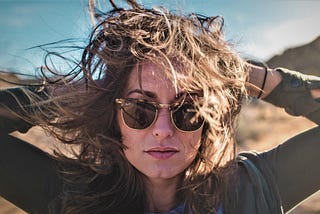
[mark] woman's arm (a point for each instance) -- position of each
(15, 108)
(256, 76)
(295, 162)
(297, 93)
(28, 176)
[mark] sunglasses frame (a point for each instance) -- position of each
(170, 107)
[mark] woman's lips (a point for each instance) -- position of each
(162, 153)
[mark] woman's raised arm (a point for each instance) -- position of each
(297, 93)
(14, 106)
(295, 162)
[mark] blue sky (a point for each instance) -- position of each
(258, 28)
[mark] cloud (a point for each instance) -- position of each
(274, 38)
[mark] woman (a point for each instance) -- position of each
(151, 123)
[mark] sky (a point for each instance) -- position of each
(258, 29)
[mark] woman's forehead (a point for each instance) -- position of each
(148, 72)
(148, 76)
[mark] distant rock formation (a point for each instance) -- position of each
(6, 78)
(305, 58)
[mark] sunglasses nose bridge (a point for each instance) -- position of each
(165, 106)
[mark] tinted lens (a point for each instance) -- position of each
(185, 119)
(137, 114)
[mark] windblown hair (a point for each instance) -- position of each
(193, 52)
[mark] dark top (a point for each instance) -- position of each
(271, 182)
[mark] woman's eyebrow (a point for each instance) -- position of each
(183, 93)
(145, 93)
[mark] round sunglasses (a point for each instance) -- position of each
(141, 114)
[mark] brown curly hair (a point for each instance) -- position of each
(193, 52)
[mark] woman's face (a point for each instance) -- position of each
(161, 150)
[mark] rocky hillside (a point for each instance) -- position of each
(6, 78)
(305, 58)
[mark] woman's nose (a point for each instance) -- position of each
(163, 126)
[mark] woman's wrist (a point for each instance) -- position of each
(315, 93)
(261, 81)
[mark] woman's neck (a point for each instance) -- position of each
(161, 194)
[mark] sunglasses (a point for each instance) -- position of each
(141, 114)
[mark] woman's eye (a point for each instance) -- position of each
(127, 103)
